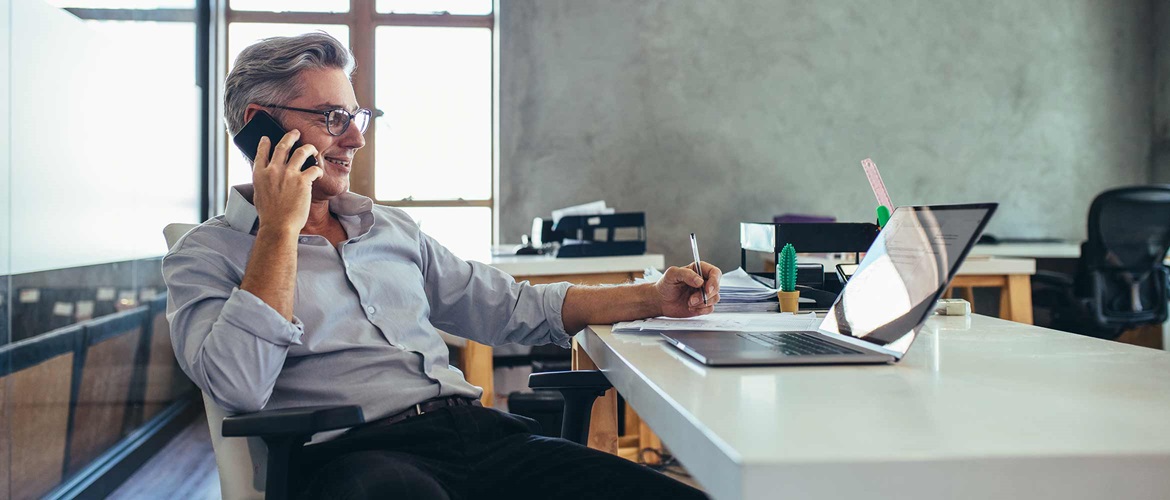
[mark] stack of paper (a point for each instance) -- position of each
(738, 292)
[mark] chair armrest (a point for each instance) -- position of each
(292, 421)
(578, 379)
(579, 389)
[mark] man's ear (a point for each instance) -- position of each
(250, 111)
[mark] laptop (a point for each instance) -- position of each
(882, 307)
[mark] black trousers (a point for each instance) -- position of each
(466, 452)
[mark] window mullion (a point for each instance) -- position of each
(362, 44)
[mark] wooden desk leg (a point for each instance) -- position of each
(639, 437)
(648, 439)
(477, 367)
(1019, 298)
(603, 433)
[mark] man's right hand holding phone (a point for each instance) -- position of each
(282, 191)
(282, 196)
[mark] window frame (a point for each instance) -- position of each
(203, 15)
(362, 20)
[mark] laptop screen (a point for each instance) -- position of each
(904, 272)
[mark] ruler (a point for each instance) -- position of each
(875, 183)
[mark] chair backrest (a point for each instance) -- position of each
(1121, 269)
(242, 462)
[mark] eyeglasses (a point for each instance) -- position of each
(336, 120)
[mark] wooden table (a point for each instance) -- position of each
(1012, 276)
(979, 408)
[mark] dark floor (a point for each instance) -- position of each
(184, 468)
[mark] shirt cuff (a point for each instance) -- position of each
(247, 312)
(554, 303)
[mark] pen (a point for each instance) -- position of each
(698, 270)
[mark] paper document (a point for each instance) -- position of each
(732, 322)
(592, 208)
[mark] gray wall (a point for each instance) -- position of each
(1160, 155)
(705, 114)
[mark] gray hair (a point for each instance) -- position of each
(266, 72)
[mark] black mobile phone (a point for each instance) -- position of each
(262, 124)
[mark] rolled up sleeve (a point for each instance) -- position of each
(481, 303)
(228, 341)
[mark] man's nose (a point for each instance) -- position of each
(353, 138)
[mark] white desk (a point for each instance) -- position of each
(1051, 250)
(547, 265)
(980, 408)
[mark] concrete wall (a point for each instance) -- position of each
(705, 114)
(1160, 155)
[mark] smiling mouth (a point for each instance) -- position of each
(339, 162)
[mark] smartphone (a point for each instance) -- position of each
(263, 124)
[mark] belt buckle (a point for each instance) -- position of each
(418, 408)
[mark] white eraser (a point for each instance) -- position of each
(953, 307)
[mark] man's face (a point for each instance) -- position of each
(324, 90)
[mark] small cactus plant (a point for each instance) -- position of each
(786, 269)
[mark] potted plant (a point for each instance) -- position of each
(786, 280)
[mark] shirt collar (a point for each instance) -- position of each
(241, 213)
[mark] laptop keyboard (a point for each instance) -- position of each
(797, 343)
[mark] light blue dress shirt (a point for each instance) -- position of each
(365, 314)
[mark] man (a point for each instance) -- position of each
(306, 294)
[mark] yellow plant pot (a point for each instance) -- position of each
(789, 301)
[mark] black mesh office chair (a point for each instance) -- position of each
(1121, 280)
(285, 431)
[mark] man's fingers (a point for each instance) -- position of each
(262, 150)
(696, 300)
(710, 271)
(699, 311)
(301, 154)
(285, 145)
(688, 276)
(313, 173)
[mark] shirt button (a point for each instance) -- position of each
(304, 239)
(370, 309)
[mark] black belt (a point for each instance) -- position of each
(425, 407)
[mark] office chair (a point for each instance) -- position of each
(1121, 280)
(253, 451)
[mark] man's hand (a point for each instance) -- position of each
(282, 198)
(679, 290)
(283, 192)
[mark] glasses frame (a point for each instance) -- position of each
(328, 121)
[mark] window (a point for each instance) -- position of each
(427, 66)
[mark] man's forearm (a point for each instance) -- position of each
(271, 274)
(589, 305)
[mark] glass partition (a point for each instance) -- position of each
(99, 149)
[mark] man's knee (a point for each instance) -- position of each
(374, 474)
